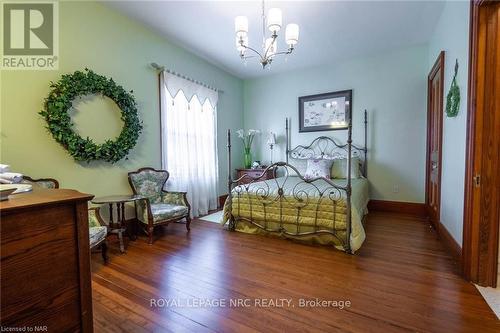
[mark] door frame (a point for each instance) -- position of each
(475, 256)
(438, 65)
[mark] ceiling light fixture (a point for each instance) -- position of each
(269, 45)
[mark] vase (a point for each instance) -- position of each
(248, 158)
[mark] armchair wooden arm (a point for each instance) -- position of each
(143, 210)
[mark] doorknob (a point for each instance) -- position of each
(434, 165)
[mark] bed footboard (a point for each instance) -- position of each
(293, 206)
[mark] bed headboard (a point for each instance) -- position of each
(324, 147)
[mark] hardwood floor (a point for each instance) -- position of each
(401, 280)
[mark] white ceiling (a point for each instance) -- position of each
(329, 30)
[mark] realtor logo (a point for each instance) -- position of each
(30, 35)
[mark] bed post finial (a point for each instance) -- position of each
(287, 138)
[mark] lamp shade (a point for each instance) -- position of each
(274, 19)
(241, 26)
(271, 139)
(292, 34)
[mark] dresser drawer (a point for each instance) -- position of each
(251, 174)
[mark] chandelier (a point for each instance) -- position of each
(269, 44)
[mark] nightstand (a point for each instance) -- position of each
(253, 173)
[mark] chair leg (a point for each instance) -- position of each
(104, 251)
(150, 235)
(188, 223)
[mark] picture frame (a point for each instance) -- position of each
(325, 112)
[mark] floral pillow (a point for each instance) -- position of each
(318, 168)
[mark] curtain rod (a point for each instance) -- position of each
(162, 68)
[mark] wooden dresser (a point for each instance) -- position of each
(253, 173)
(45, 264)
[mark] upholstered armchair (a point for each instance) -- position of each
(42, 182)
(158, 207)
(98, 232)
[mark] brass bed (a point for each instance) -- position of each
(322, 210)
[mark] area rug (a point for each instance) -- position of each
(492, 297)
(215, 217)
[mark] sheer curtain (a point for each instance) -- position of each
(188, 138)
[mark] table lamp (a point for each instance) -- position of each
(271, 141)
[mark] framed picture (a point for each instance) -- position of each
(325, 112)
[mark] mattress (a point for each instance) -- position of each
(304, 208)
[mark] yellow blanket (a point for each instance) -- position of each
(302, 209)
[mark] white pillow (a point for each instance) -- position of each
(339, 168)
(318, 168)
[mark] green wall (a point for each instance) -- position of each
(95, 36)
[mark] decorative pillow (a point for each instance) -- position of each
(339, 168)
(318, 168)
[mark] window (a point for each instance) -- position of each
(189, 149)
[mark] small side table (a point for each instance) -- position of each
(253, 173)
(117, 226)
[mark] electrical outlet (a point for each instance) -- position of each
(395, 188)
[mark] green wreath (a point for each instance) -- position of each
(60, 125)
(453, 97)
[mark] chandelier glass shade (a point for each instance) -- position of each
(273, 22)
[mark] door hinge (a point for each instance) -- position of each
(477, 180)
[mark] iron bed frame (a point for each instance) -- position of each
(322, 147)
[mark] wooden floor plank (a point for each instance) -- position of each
(401, 280)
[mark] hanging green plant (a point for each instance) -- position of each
(59, 123)
(453, 97)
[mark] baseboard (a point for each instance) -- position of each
(450, 243)
(409, 208)
(222, 200)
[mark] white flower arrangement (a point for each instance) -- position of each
(247, 138)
